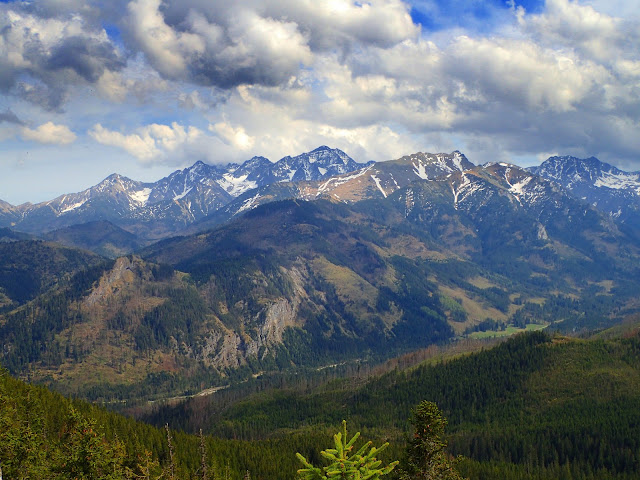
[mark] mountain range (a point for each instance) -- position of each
(203, 196)
(275, 275)
(296, 263)
(381, 259)
(155, 210)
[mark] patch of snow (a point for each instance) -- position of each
(377, 180)
(420, 170)
(394, 181)
(73, 207)
(409, 203)
(455, 194)
(619, 182)
(235, 186)
(248, 203)
(542, 232)
(141, 196)
(334, 182)
(183, 194)
(289, 176)
(185, 189)
(464, 190)
(517, 187)
(457, 161)
(322, 170)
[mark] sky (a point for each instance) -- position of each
(144, 87)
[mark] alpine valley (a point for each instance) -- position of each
(216, 274)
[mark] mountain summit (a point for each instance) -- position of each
(609, 189)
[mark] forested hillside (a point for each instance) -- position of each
(101, 237)
(533, 407)
(44, 435)
(31, 267)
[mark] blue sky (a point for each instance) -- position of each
(480, 16)
(143, 87)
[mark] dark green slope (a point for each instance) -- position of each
(101, 237)
(344, 279)
(44, 435)
(8, 235)
(533, 404)
(29, 268)
(28, 332)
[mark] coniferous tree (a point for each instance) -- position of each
(148, 468)
(86, 454)
(426, 458)
(171, 467)
(203, 458)
(361, 465)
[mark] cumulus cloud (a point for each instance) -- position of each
(582, 28)
(49, 133)
(264, 43)
(234, 136)
(248, 49)
(347, 24)
(259, 122)
(152, 143)
(42, 57)
(523, 75)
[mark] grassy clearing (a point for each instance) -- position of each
(350, 286)
(507, 332)
(481, 282)
(476, 311)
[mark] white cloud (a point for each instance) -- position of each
(142, 146)
(167, 50)
(277, 77)
(522, 74)
(246, 48)
(49, 133)
(235, 136)
(512, 92)
(258, 122)
(345, 23)
(581, 28)
(152, 143)
(565, 78)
